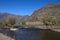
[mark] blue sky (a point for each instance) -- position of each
(24, 7)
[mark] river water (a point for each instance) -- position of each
(36, 34)
(32, 34)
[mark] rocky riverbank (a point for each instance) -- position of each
(4, 35)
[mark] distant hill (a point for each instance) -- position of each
(4, 16)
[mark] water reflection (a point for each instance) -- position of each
(36, 34)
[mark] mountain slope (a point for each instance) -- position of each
(51, 10)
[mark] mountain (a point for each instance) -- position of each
(4, 16)
(50, 10)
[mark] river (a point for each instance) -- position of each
(36, 34)
(32, 34)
